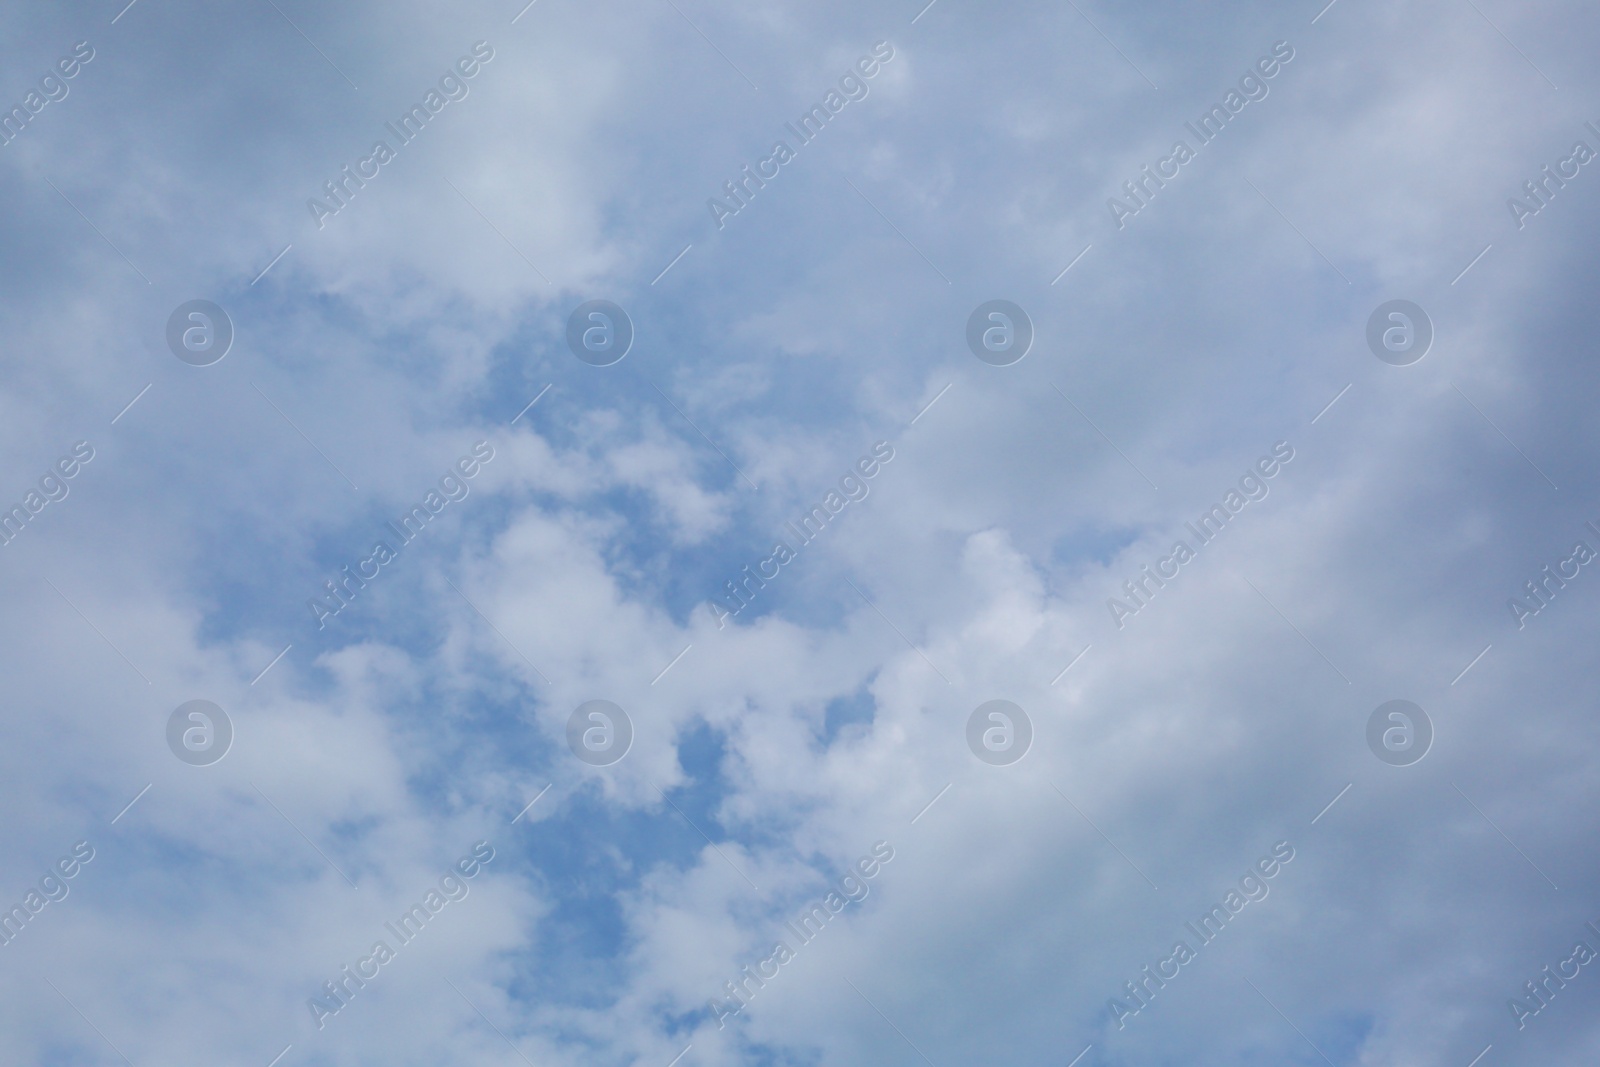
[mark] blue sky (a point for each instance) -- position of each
(773, 752)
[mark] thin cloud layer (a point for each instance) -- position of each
(667, 804)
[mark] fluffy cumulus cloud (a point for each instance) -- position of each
(564, 709)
